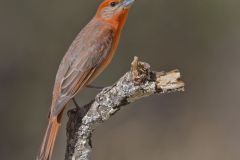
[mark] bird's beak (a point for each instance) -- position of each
(127, 3)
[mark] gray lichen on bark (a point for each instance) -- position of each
(138, 83)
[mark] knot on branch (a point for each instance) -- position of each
(139, 71)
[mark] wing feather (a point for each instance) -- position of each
(79, 65)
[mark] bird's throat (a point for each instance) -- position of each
(118, 25)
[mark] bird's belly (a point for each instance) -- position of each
(102, 66)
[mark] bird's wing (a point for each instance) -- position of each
(78, 66)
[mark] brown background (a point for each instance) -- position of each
(199, 37)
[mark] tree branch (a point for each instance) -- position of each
(138, 83)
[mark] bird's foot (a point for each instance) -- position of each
(95, 87)
(75, 103)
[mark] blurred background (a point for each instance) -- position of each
(199, 37)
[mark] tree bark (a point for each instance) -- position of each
(138, 83)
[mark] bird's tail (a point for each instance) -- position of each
(49, 139)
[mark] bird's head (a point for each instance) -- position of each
(113, 10)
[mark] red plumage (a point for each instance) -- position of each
(89, 54)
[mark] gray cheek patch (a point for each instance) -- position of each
(108, 12)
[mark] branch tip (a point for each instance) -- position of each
(170, 81)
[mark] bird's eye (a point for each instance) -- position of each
(113, 4)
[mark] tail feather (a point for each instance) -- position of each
(49, 140)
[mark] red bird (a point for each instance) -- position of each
(89, 54)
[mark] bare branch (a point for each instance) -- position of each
(138, 83)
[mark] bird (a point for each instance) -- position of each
(89, 54)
